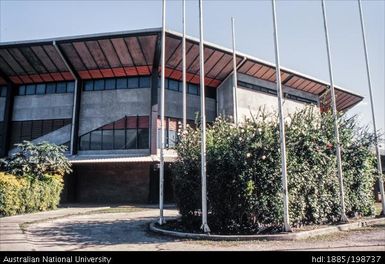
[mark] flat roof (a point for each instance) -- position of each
(133, 53)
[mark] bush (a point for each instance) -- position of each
(244, 186)
(37, 160)
(27, 194)
(32, 178)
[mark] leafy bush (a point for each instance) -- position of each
(244, 172)
(32, 178)
(37, 160)
(27, 194)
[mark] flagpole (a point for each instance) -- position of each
(162, 139)
(379, 166)
(184, 67)
(204, 226)
(336, 131)
(286, 222)
(235, 79)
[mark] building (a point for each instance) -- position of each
(98, 94)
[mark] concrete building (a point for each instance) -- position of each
(99, 95)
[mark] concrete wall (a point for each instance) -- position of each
(174, 105)
(225, 97)
(102, 107)
(249, 100)
(2, 108)
(112, 182)
(36, 107)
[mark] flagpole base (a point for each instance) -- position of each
(287, 228)
(344, 219)
(161, 221)
(205, 228)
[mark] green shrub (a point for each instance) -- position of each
(244, 186)
(27, 194)
(37, 160)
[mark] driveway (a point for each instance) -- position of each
(126, 229)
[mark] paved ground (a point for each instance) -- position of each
(92, 228)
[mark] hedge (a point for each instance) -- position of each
(244, 186)
(20, 195)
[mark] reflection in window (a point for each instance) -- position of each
(126, 133)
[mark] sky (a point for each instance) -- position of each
(300, 29)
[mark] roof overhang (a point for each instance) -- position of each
(131, 53)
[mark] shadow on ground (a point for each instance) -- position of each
(96, 232)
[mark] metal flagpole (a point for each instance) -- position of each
(337, 136)
(235, 79)
(161, 169)
(379, 167)
(184, 66)
(204, 226)
(281, 126)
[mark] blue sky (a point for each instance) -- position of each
(300, 28)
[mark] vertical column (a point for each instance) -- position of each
(154, 98)
(76, 99)
(335, 115)
(282, 135)
(7, 121)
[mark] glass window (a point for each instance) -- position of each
(96, 140)
(4, 91)
(108, 139)
(193, 89)
(21, 90)
(144, 82)
(70, 87)
(121, 83)
(61, 87)
(119, 139)
(51, 88)
(40, 88)
(99, 85)
(85, 142)
(89, 85)
(31, 89)
(131, 138)
(173, 85)
(143, 139)
(110, 84)
(172, 138)
(132, 82)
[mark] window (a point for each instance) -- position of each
(51, 88)
(130, 132)
(88, 85)
(21, 90)
(32, 129)
(3, 91)
(96, 140)
(40, 88)
(70, 87)
(133, 82)
(192, 89)
(31, 89)
(46, 88)
(144, 82)
(98, 85)
(108, 139)
(110, 84)
(173, 85)
(121, 83)
(61, 87)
